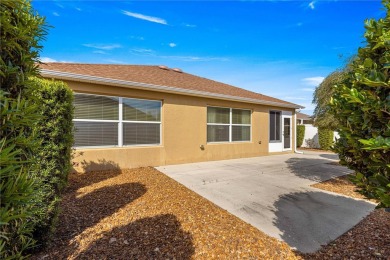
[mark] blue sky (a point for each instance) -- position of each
(278, 48)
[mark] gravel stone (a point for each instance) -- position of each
(158, 218)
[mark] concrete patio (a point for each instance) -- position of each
(273, 193)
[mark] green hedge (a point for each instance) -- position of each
(300, 135)
(325, 138)
(18, 190)
(53, 158)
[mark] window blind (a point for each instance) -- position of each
(97, 121)
(96, 133)
(228, 125)
(141, 133)
(96, 107)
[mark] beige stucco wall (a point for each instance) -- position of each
(184, 129)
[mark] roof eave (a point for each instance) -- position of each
(152, 87)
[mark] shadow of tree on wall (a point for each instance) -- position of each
(97, 165)
(317, 170)
(308, 220)
(158, 237)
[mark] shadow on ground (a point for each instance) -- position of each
(314, 169)
(331, 156)
(158, 237)
(309, 219)
(93, 196)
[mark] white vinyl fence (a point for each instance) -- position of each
(311, 137)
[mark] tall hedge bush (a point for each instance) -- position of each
(300, 134)
(361, 105)
(18, 190)
(21, 31)
(53, 158)
(325, 138)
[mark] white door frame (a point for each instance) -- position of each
(287, 114)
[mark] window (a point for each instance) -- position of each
(228, 124)
(116, 121)
(274, 126)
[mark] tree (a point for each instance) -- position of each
(321, 97)
(21, 31)
(361, 105)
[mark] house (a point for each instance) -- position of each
(303, 119)
(134, 115)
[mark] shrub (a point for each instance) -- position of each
(55, 131)
(325, 138)
(20, 33)
(18, 190)
(361, 105)
(300, 135)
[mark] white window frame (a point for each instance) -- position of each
(120, 122)
(231, 125)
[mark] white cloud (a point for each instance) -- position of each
(307, 89)
(56, 14)
(194, 58)
(145, 17)
(172, 44)
(311, 5)
(313, 81)
(137, 37)
(100, 52)
(189, 25)
(47, 59)
(115, 61)
(142, 51)
(78, 9)
(105, 47)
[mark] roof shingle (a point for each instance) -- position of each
(158, 76)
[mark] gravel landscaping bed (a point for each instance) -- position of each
(341, 185)
(143, 214)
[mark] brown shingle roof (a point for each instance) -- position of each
(303, 116)
(157, 76)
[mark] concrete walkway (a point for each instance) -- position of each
(273, 193)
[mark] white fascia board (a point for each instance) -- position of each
(152, 87)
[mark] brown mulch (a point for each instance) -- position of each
(143, 214)
(341, 185)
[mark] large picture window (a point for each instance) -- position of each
(228, 124)
(116, 121)
(275, 126)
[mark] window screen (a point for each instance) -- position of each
(274, 125)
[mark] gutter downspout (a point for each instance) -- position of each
(295, 133)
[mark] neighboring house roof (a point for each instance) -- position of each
(156, 78)
(303, 116)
